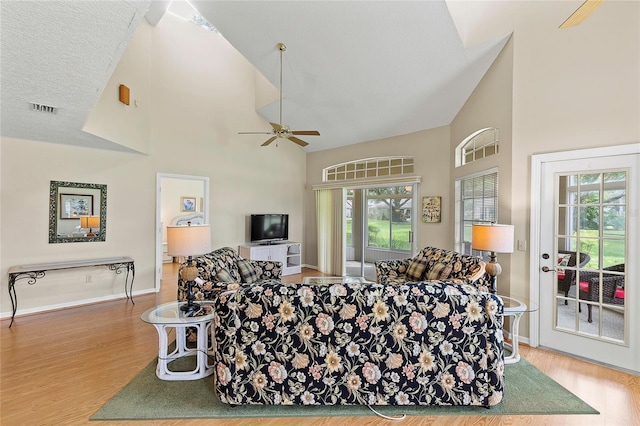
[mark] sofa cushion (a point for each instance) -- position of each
(223, 275)
(416, 268)
(439, 271)
(247, 271)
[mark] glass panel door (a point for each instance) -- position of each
(591, 254)
(588, 241)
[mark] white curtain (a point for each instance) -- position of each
(329, 219)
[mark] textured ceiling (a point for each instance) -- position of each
(60, 54)
(355, 71)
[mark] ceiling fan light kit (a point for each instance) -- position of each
(281, 131)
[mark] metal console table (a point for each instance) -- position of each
(36, 271)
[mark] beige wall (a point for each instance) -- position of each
(490, 106)
(201, 93)
(428, 147)
(574, 88)
(571, 89)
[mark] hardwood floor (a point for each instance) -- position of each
(59, 368)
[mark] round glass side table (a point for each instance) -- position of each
(515, 308)
(169, 316)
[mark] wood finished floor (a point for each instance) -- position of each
(59, 368)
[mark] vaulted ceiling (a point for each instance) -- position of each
(353, 70)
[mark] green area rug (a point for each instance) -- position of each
(527, 391)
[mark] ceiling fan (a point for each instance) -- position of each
(581, 13)
(280, 130)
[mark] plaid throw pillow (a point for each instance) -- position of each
(247, 271)
(439, 271)
(416, 268)
(224, 276)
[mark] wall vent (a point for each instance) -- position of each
(47, 109)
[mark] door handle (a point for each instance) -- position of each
(547, 269)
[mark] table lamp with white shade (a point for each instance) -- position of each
(494, 238)
(189, 241)
(90, 222)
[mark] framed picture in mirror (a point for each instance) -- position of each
(72, 206)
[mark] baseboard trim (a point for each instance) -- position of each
(74, 304)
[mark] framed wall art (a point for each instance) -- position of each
(431, 210)
(72, 206)
(187, 204)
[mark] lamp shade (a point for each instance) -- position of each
(492, 237)
(89, 221)
(188, 240)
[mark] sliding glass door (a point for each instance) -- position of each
(379, 225)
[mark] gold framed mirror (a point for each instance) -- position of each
(77, 212)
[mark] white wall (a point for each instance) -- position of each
(201, 93)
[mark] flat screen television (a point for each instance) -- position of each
(269, 228)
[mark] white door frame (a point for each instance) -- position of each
(537, 161)
(205, 213)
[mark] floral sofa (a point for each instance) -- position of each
(421, 343)
(224, 269)
(433, 263)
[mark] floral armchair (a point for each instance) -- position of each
(435, 264)
(224, 269)
(429, 343)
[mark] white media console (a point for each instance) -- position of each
(289, 253)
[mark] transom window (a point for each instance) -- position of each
(480, 144)
(368, 168)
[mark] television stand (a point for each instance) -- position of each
(269, 243)
(287, 252)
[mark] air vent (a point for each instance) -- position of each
(47, 109)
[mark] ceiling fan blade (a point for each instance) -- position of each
(298, 141)
(276, 126)
(255, 133)
(306, 132)
(581, 13)
(271, 139)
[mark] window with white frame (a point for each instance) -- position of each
(480, 144)
(368, 168)
(476, 202)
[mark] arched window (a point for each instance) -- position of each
(477, 145)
